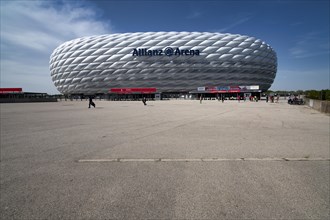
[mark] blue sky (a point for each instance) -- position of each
(297, 30)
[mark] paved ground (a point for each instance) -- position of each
(169, 159)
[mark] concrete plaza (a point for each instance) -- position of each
(175, 159)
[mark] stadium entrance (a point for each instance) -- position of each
(228, 92)
(131, 94)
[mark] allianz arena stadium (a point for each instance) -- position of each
(167, 61)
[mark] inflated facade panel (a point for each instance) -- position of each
(169, 61)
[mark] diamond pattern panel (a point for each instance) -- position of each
(95, 64)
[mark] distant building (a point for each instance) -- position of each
(167, 61)
(16, 95)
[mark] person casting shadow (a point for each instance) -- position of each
(144, 100)
(91, 103)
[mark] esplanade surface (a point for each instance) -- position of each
(218, 160)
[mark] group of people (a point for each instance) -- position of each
(271, 98)
(253, 98)
(239, 98)
(222, 98)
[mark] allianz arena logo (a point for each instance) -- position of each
(168, 51)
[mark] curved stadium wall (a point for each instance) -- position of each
(169, 61)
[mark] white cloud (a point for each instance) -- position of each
(193, 15)
(235, 24)
(310, 45)
(31, 30)
(32, 78)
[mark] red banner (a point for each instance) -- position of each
(10, 90)
(133, 90)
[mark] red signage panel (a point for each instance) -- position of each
(234, 91)
(133, 90)
(10, 90)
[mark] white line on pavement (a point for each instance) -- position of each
(197, 159)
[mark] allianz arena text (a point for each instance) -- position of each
(167, 61)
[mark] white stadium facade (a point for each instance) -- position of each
(164, 61)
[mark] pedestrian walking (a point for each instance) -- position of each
(200, 99)
(144, 100)
(91, 103)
